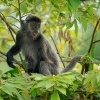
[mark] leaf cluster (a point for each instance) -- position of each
(66, 86)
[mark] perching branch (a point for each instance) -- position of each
(86, 65)
(57, 51)
(91, 44)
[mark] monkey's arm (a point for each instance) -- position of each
(13, 51)
(71, 65)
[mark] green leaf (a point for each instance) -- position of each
(26, 95)
(74, 3)
(55, 96)
(62, 90)
(78, 15)
(76, 27)
(16, 92)
(14, 85)
(69, 25)
(62, 14)
(84, 23)
(94, 81)
(30, 1)
(37, 2)
(54, 4)
(1, 98)
(7, 90)
(42, 84)
(50, 84)
(5, 1)
(34, 93)
(90, 67)
(23, 7)
(98, 78)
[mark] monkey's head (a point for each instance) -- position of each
(33, 24)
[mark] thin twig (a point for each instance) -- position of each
(57, 51)
(11, 34)
(14, 18)
(7, 24)
(19, 11)
(96, 41)
(93, 36)
(13, 6)
(2, 57)
(14, 25)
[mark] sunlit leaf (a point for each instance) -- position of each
(74, 3)
(98, 78)
(76, 27)
(55, 96)
(1, 98)
(69, 25)
(90, 88)
(62, 90)
(23, 7)
(84, 23)
(37, 2)
(6, 90)
(34, 93)
(90, 67)
(26, 95)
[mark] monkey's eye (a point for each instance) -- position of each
(32, 23)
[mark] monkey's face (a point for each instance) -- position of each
(34, 27)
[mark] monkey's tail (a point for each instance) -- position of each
(72, 64)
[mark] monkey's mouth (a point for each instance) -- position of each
(34, 32)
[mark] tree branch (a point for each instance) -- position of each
(14, 18)
(57, 51)
(85, 66)
(7, 24)
(20, 17)
(96, 41)
(93, 36)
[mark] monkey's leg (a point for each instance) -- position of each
(44, 68)
(31, 66)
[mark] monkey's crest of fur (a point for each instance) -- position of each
(32, 17)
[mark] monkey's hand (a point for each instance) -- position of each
(10, 61)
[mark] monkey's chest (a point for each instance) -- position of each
(29, 48)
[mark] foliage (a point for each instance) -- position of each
(68, 86)
(75, 26)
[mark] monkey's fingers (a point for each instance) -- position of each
(11, 64)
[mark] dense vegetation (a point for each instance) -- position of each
(73, 28)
